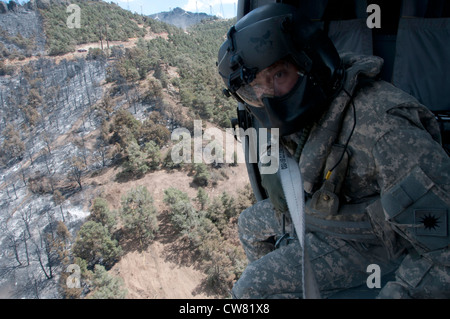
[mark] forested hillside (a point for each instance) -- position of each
(87, 180)
(100, 21)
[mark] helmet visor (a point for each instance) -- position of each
(274, 81)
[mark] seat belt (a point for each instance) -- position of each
(292, 184)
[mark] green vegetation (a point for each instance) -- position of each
(138, 215)
(210, 230)
(202, 175)
(100, 21)
(208, 226)
(193, 54)
(139, 143)
(101, 213)
(95, 245)
(136, 123)
(106, 285)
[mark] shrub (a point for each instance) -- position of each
(138, 214)
(202, 175)
(95, 245)
(107, 286)
(101, 213)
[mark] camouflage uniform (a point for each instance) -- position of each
(386, 202)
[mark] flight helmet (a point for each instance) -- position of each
(282, 66)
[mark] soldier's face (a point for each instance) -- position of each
(274, 81)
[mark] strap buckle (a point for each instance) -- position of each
(285, 235)
(283, 238)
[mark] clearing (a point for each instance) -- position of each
(167, 268)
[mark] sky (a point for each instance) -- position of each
(222, 8)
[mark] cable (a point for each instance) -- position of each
(348, 139)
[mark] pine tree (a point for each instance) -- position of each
(202, 175)
(13, 147)
(153, 154)
(138, 214)
(137, 160)
(183, 215)
(95, 245)
(101, 213)
(202, 198)
(172, 195)
(107, 286)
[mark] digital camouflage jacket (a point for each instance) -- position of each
(374, 170)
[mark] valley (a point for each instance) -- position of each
(68, 124)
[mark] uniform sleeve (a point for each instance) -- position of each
(414, 178)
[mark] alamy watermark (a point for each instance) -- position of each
(374, 279)
(221, 147)
(74, 19)
(74, 279)
(374, 19)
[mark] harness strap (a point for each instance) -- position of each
(292, 184)
(361, 231)
(342, 226)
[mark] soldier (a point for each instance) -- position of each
(376, 178)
